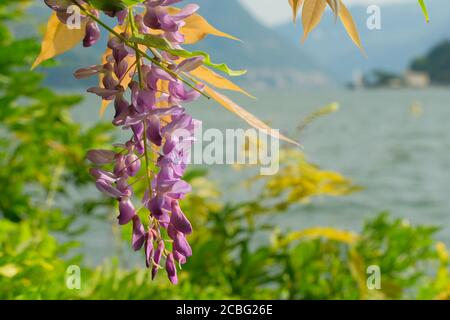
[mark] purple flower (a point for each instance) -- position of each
(100, 174)
(139, 20)
(167, 132)
(58, 5)
(120, 167)
(179, 257)
(104, 93)
(157, 17)
(121, 68)
(171, 269)
(106, 187)
(148, 245)
(100, 156)
(157, 205)
(88, 72)
(154, 3)
(181, 245)
(190, 64)
(121, 106)
(179, 220)
(110, 81)
(133, 164)
(157, 258)
(145, 100)
(127, 211)
(138, 237)
(119, 50)
(121, 15)
(124, 187)
(180, 94)
(92, 34)
(154, 130)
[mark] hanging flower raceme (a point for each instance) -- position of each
(148, 95)
(148, 76)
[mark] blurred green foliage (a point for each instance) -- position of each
(237, 254)
(42, 149)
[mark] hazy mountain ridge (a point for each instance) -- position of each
(270, 59)
(404, 36)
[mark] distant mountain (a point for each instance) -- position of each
(404, 35)
(270, 59)
(436, 63)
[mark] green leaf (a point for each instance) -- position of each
(112, 5)
(424, 9)
(130, 3)
(162, 44)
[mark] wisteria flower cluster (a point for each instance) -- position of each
(161, 132)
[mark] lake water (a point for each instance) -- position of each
(401, 158)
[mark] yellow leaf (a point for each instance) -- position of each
(335, 7)
(245, 115)
(358, 272)
(163, 87)
(349, 25)
(197, 28)
(322, 232)
(312, 14)
(105, 103)
(104, 106)
(58, 39)
(295, 5)
(205, 74)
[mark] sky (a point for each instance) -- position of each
(272, 12)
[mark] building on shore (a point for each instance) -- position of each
(415, 79)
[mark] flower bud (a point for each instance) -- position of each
(148, 246)
(108, 189)
(179, 220)
(154, 130)
(155, 205)
(103, 174)
(120, 166)
(87, 72)
(100, 157)
(181, 245)
(138, 234)
(171, 269)
(190, 64)
(121, 15)
(179, 257)
(126, 210)
(133, 164)
(92, 34)
(157, 258)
